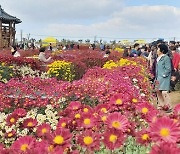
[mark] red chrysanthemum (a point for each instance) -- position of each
(113, 139)
(11, 119)
(165, 148)
(61, 137)
(117, 121)
(23, 144)
(74, 105)
(43, 129)
(10, 134)
(63, 122)
(20, 112)
(87, 121)
(30, 123)
(89, 140)
(164, 129)
(145, 108)
(143, 137)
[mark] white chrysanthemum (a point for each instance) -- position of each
(41, 118)
(2, 117)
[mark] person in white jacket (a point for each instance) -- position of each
(42, 56)
(14, 51)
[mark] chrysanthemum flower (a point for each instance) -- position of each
(43, 129)
(89, 140)
(87, 121)
(43, 148)
(61, 137)
(20, 112)
(143, 137)
(177, 109)
(86, 109)
(74, 105)
(118, 99)
(10, 134)
(165, 148)
(117, 121)
(102, 108)
(11, 119)
(23, 144)
(63, 122)
(164, 129)
(145, 108)
(152, 116)
(30, 123)
(113, 139)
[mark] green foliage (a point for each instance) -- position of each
(6, 72)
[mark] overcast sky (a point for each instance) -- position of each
(105, 19)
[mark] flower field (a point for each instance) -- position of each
(82, 103)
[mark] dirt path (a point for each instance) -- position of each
(175, 97)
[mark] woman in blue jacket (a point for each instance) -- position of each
(163, 75)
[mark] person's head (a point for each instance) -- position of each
(162, 49)
(172, 48)
(136, 46)
(42, 49)
(13, 48)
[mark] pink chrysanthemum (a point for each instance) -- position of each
(87, 109)
(74, 105)
(23, 144)
(44, 148)
(117, 121)
(43, 130)
(89, 140)
(118, 99)
(152, 116)
(145, 108)
(113, 139)
(143, 137)
(30, 123)
(10, 134)
(11, 119)
(164, 129)
(63, 122)
(20, 112)
(165, 148)
(87, 121)
(102, 108)
(61, 137)
(177, 109)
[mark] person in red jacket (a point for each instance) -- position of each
(176, 62)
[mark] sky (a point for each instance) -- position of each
(96, 19)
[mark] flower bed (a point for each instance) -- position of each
(108, 110)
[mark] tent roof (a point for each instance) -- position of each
(50, 40)
(6, 18)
